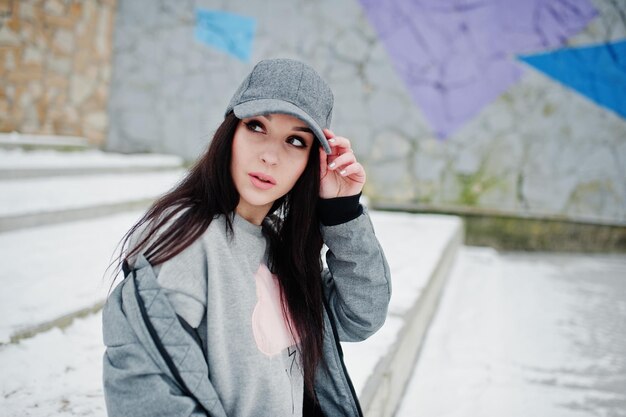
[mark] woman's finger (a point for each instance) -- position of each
(339, 144)
(355, 170)
(342, 160)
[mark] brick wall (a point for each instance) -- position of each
(55, 67)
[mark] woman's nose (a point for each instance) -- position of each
(269, 156)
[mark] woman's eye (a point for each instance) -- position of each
(296, 141)
(253, 125)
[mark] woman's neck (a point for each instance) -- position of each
(253, 214)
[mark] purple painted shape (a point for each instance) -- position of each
(455, 57)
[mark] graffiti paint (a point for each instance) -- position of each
(228, 32)
(598, 72)
(457, 57)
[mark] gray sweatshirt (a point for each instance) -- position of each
(254, 361)
(137, 382)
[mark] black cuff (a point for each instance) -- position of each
(334, 211)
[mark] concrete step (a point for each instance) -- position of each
(18, 163)
(42, 187)
(54, 274)
(420, 250)
(30, 202)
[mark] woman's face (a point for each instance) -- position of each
(269, 154)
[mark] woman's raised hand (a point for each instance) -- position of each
(341, 175)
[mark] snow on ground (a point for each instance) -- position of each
(413, 246)
(525, 335)
(59, 372)
(51, 271)
(56, 373)
(516, 335)
(40, 195)
(20, 159)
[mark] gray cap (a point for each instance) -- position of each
(289, 87)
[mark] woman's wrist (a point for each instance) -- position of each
(338, 210)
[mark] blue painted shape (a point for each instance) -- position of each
(225, 31)
(598, 72)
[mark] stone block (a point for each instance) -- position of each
(7, 58)
(97, 120)
(63, 42)
(41, 105)
(36, 89)
(63, 127)
(32, 55)
(29, 72)
(94, 136)
(57, 81)
(4, 106)
(80, 88)
(7, 124)
(55, 7)
(82, 59)
(102, 39)
(26, 11)
(14, 21)
(59, 22)
(6, 8)
(61, 65)
(88, 27)
(95, 102)
(8, 37)
(33, 34)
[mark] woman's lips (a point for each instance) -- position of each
(262, 181)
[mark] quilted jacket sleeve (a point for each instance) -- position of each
(357, 281)
(137, 380)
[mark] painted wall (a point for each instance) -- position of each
(55, 66)
(504, 106)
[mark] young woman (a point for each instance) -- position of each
(226, 309)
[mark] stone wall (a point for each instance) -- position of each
(537, 148)
(55, 67)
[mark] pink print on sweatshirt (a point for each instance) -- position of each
(271, 331)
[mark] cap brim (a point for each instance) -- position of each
(270, 105)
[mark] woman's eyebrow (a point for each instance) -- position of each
(303, 129)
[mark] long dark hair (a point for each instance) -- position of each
(292, 228)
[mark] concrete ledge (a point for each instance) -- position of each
(55, 273)
(420, 250)
(18, 163)
(385, 388)
(59, 322)
(529, 231)
(12, 174)
(21, 221)
(44, 201)
(16, 139)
